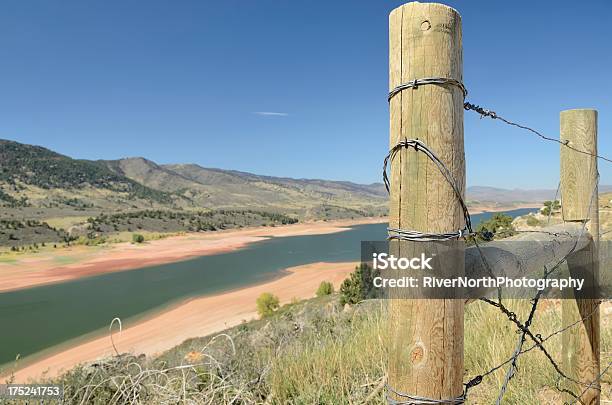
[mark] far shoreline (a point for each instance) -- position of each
(42, 269)
(485, 209)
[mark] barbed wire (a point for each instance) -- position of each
(493, 115)
(408, 399)
(416, 236)
(542, 341)
(414, 84)
(525, 328)
(521, 340)
(484, 112)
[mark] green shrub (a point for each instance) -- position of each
(359, 286)
(267, 303)
(499, 225)
(137, 238)
(551, 206)
(325, 288)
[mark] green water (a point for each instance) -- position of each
(38, 318)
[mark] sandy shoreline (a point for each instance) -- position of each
(84, 261)
(192, 318)
(485, 208)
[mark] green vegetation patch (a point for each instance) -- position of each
(29, 233)
(183, 221)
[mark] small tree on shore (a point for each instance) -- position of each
(551, 206)
(137, 238)
(267, 303)
(325, 288)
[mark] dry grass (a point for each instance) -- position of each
(490, 340)
(314, 352)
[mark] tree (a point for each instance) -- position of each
(137, 238)
(325, 288)
(267, 303)
(550, 206)
(359, 285)
(498, 225)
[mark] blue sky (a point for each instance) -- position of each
(188, 81)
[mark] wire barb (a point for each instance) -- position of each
(414, 84)
(493, 115)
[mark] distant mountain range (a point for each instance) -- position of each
(38, 177)
(504, 196)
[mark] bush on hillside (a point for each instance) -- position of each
(267, 303)
(137, 238)
(325, 288)
(359, 286)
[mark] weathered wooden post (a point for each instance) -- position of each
(426, 335)
(580, 202)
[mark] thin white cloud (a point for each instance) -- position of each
(271, 113)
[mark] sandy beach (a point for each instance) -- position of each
(193, 318)
(47, 267)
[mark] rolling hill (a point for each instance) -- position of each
(218, 188)
(33, 176)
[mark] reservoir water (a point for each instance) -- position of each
(39, 318)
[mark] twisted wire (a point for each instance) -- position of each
(484, 112)
(414, 84)
(417, 236)
(525, 330)
(408, 399)
(493, 115)
(543, 340)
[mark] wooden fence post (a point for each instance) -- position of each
(426, 335)
(578, 182)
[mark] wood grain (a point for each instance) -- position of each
(426, 336)
(581, 344)
(578, 170)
